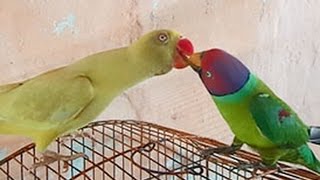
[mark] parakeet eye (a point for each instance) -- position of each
(208, 74)
(163, 37)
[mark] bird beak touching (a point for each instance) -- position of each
(184, 49)
(195, 61)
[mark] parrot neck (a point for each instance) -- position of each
(114, 66)
(145, 63)
(245, 91)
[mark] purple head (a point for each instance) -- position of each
(221, 73)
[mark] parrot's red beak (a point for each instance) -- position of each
(184, 49)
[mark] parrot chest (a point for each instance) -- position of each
(242, 124)
(235, 109)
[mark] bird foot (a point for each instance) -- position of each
(272, 171)
(76, 134)
(50, 157)
(254, 165)
(226, 150)
(266, 170)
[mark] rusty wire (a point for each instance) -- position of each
(137, 150)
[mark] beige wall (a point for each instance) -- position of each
(277, 39)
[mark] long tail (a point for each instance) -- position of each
(303, 156)
(314, 134)
(309, 159)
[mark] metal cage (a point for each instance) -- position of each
(137, 150)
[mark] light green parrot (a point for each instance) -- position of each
(254, 113)
(64, 99)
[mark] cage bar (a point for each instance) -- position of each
(130, 149)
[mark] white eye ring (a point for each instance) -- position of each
(162, 37)
(208, 74)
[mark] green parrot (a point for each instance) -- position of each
(62, 100)
(254, 113)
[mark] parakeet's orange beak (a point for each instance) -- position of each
(184, 49)
(195, 61)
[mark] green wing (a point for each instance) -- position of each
(45, 101)
(8, 87)
(277, 121)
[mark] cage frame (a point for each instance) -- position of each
(159, 136)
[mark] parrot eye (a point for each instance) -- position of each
(208, 74)
(163, 37)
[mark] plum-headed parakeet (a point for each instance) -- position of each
(254, 113)
(64, 99)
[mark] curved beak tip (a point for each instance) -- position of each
(185, 46)
(195, 61)
(184, 50)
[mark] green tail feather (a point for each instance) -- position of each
(309, 158)
(303, 156)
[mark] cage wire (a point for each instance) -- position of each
(137, 150)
